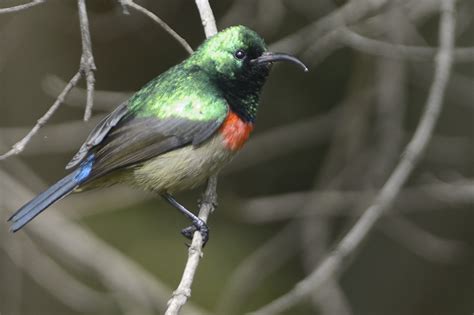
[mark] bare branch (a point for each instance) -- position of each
(87, 66)
(160, 22)
(20, 145)
(207, 17)
(123, 4)
(183, 292)
(21, 6)
(336, 260)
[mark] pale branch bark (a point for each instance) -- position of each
(208, 200)
(21, 6)
(123, 4)
(207, 17)
(338, 258)
(20, 145)
(183, 292)
(159, 21)
(87, 66)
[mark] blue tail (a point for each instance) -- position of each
(59, 190)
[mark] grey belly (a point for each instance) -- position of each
(183, 168)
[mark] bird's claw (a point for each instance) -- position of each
(188, 232)
(200, 226)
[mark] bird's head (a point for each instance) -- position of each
(238, 53)
(238, 62)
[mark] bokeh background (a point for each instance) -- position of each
(325, 141)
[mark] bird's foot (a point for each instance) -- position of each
(200, 226)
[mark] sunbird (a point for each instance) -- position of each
(178, 130)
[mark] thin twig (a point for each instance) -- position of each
(160, 22)
(87, 66)
(20, 145)
(208, 200)
(183, 292)
(21, 6)
(336, 260)
(207, 17)
(123, 4)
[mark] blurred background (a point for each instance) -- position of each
(325, 141)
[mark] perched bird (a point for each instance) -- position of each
(178, 130)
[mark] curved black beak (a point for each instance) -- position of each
(269, 57)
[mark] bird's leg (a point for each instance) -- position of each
(198, 224)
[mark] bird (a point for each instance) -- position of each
(181, 128)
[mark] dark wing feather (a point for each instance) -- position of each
(98, 134)
(137, 139)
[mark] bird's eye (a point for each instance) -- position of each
(240, 54)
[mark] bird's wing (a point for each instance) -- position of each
(126, 139)
(98, 134)
(140, 139)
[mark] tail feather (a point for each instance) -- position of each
(54, 193)
(29, 211)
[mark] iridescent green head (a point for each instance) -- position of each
(234, 52)
(237, 60)
(227, 54)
